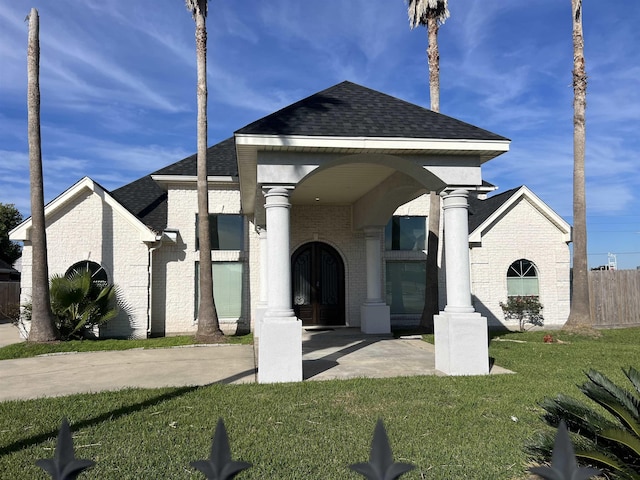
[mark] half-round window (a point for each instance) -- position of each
(522, 279)
(98, 274)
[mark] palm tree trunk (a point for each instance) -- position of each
(431, 306)
(42, 325)
(208, 324)
(580, 314)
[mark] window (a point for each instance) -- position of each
(225, 231)
(522, 279)
(227, 288)
(98, 274)
(405, 233)
(405, 287)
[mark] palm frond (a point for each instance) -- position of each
(197, 5)
(420, 11)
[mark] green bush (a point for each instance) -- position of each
(525, 309)
(79, 303)
(610, 442)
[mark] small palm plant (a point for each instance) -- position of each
(79, 303)
(610, 442)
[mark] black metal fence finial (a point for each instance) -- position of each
(381, 465)
(64, 465)
(563, 461)
(219, 465)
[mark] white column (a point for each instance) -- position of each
(280, 343)
(375, 317)
(261, 305)
(461, 334)
(374, 265)
(456, 238)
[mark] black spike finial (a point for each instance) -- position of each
(381, 465)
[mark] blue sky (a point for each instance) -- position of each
(118, 88)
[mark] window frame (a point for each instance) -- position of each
(221, 313)
(419, 285)
(214, 247)
(395, 234)
(519, 274)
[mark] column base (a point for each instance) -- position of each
(461, 343)
(375, 318)
(280, 350)
(258, 318)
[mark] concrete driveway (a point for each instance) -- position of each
(327, 354)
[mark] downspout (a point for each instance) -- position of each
(150, 282)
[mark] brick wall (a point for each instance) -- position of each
(174, 265)
(523, 232)
(87, 228)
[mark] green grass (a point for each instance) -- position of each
(27, 349)
(449, 427)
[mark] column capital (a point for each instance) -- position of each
(372, 232)
(455, 198)
(277, 197)
(282, 190)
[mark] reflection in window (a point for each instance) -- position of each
(227, 288)
(522, 279)
(225, 231)
(405, 233)
(405, 287)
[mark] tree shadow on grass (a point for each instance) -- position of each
(107, 416)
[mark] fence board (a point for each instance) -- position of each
(9, 296)
(615, 297)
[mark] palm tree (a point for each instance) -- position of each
(42, 324)
(208, 324)
(580, 314)
(431, 14)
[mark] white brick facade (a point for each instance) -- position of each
(523, 232)
(87, 227)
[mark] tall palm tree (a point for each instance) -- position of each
(42, 326)
(208, 323)
(580, 314)
(431, 14)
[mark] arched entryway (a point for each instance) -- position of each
(317, 281)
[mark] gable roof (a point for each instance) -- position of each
(483, 213)
(221, 161)
(23, 231)
(147, 200)
(351, 110)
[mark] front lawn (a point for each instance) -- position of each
(27, 349)
(449, 427)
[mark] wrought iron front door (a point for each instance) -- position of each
(318, 284)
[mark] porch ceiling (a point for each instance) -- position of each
(343, 184)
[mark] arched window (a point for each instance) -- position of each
(522, 279)
(98, 274)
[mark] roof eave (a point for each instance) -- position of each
(23, 231)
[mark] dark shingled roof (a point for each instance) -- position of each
(221, 161)
(480, 210)
(350, 110)
(146, 200)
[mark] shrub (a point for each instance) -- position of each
(80, 304)
(611, 442)
(525, 309)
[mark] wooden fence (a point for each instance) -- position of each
(9, 297)
(615, 297)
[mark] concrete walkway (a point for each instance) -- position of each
(327, 354)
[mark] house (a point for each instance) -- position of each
(318, 215)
